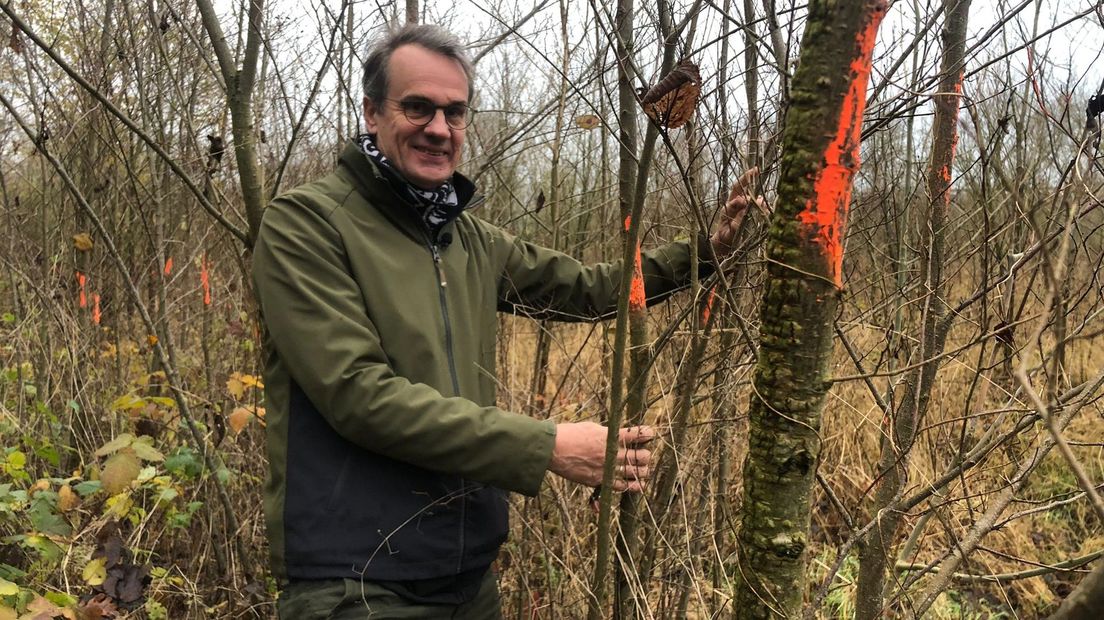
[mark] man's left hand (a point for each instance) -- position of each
(735, 209)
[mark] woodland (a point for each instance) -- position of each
(887, 404)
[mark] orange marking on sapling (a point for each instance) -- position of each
(81, 279)
(205, 282)
(707, 310)
(637, 297)
(826, 212)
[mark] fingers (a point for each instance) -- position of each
(635, 435)
(741, 188)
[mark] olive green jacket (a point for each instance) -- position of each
(386, 450)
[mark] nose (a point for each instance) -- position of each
(437, 126)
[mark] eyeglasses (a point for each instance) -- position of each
(422, 112)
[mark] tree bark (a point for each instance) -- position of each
(239, 98)
(804, 254)
(1087, 599)
(877, 553)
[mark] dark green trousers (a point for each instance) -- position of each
(350, 599)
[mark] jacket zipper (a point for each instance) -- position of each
(439, 270)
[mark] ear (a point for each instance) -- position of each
(371, 115)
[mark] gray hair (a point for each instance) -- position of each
(431, 37)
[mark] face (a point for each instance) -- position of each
(426, 156)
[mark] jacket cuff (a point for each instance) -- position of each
(706, 266)
(538, 456)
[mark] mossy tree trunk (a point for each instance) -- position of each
(805, 253)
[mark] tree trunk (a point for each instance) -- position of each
(239, 98)
(1087, 599)
(877, 553)
(805, 253)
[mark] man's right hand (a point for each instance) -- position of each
(580, 452)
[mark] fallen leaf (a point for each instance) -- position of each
(100, 606)
(120, 470)
(151, 340)
(94, 572)
(42, 608)
(83, 242)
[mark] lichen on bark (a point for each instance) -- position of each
(799, 303)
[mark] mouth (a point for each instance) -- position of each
(430, 151)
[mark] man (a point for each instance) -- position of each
(389, 463)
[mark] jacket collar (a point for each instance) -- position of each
(371, 184)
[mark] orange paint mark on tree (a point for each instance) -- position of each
(628, 222)
(81, 280)
(637, 297)
(205, 282)
(168, 266)
(707, 309)
(96, 308)
(826, 212)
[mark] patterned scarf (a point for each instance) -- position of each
(437, 206)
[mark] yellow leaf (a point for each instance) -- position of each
(259, 412)
(120, 442)
(118, 505)
(17, 460)
(82, 242)
(7, 613)
(67, 499)
(8, 588)
(151, 340)
(251, 381)
(120, 470)
(235, 386)
(238, 418)
(94, 572)
(127, 402)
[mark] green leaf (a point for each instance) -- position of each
(88, 487)
(45, 547)
(60, 599)
(128, 401)
(17, 460)
(145, 451)
(8, 588)
(7, 571)
(184, 464)
(8, 318)
(146, 474)
(95, 572)
(49, 454)
(120, 442)
(164, 401)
